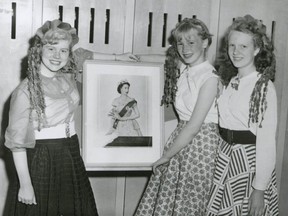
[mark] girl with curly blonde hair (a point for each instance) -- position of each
(41, 134)
(182, 177)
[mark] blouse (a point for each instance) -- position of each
(189, 84)
(61, 99)
(234, 114)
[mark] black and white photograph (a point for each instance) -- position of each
(122, 114)
(143, 107)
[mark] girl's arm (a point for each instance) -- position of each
(205, 100)
(19, 136)
(265, 153)
(152, 58)
(80, 55)
(115, 57)
(26, 192)
(266, 142)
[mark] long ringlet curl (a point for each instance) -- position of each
(173, 60)
(172, 74)
(50, 33)
(264, 61)
(34, 82)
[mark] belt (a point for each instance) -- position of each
(59, 131)
(237, 136)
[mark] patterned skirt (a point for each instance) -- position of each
(232, 183)
(59, 179)
(182, 187)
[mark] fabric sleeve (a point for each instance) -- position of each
(80, 55)
(266, 142)
(20, 131)
(207, 76)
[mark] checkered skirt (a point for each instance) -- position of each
(59, 179)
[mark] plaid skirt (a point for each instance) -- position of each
(232, 183)
(182, 187)
(59, 179)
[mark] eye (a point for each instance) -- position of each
(51, 49)
(191, 42)
(243, 46)
(64, 51)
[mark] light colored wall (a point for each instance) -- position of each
(117, 193)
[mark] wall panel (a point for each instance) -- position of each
(175, 10)
(106, 23)
(15, 31)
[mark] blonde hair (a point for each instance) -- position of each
(50, 33)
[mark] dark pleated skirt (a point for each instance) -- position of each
(59, 179)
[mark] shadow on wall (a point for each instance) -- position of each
(5, 153)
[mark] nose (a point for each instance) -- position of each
(185, 48)
(56, 54)
(235, 50)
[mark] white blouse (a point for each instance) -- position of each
(189, 85)
(234, 114)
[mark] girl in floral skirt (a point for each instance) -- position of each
(182, 177)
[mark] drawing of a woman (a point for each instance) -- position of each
(124, 113)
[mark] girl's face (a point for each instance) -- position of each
(125, 89)
(191, 47)
(241, 50)
(55, 56)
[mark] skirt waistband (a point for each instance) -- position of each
(65, 130)
(237, 136)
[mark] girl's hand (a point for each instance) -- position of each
(26, 195)
(159, 162)
(256, 203)
(127, 57)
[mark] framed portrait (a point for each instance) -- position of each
(122, 124)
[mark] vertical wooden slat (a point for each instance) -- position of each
(76, 10)
(185, 8)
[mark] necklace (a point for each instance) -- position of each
(235, 83)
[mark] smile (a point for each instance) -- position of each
(237, 58)
(187, 55)
(54, 62)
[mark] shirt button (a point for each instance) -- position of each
(62, 91)
(71, 102)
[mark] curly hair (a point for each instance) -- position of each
(35, 89)
(264, 62)
(173, 59)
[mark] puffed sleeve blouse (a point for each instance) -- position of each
(61, 99)
(234, 114)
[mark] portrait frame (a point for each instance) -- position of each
(102, 150)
